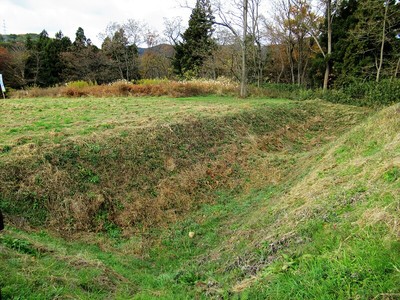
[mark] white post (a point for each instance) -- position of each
(3, 89)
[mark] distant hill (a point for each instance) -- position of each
(166, 49)
(18, 37)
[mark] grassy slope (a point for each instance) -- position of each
(341, 221)
(133, 177)
(312, 220)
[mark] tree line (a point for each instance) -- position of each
(320, 43)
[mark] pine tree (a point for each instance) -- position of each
(80, 39)
(197, 42)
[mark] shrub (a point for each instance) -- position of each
(370, 93)
(287, 91)
(151, 81)
(385, 93)
(336, 96)
(80, 84)
(356, 92)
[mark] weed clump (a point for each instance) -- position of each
(358, 93)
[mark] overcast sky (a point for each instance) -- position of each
(32, 16)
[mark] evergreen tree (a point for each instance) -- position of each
(343, 22)
(84, 61)
(80, 39)
(197, 43)
(36, 64)
(371, 45)
(44, 65)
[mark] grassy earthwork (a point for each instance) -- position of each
(286, 199)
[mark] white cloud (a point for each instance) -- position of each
(32, 16)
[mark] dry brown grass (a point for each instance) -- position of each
(381, 215)
(122, 88)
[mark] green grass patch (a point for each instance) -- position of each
(392, 175)
(334, 266)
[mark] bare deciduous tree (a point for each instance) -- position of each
(173, 29)
(255, 19)
(385, 15)
(19, 57)
(314, 28)
(135, 31)
(151, 37)
(235, 15)
(279, 30)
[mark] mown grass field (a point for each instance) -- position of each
(286, 199)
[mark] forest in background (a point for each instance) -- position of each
(313, 44)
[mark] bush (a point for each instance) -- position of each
(336, 96)
(80, 84)
(387, 92)
(287, 91)
(356, 92)
(151, 81)
(370, 93)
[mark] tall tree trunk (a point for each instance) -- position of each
(326, 76)
(127, 65)
(397, 69)
(260, 64)
(255, 31)
(290, 44)
(378, 73)
(37, 68)
(282, 68)
(291, 63)
(328, 54)
(303, 75)
(300, 60)
(214, 72)
(243, 84)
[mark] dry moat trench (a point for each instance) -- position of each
(147, 177)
